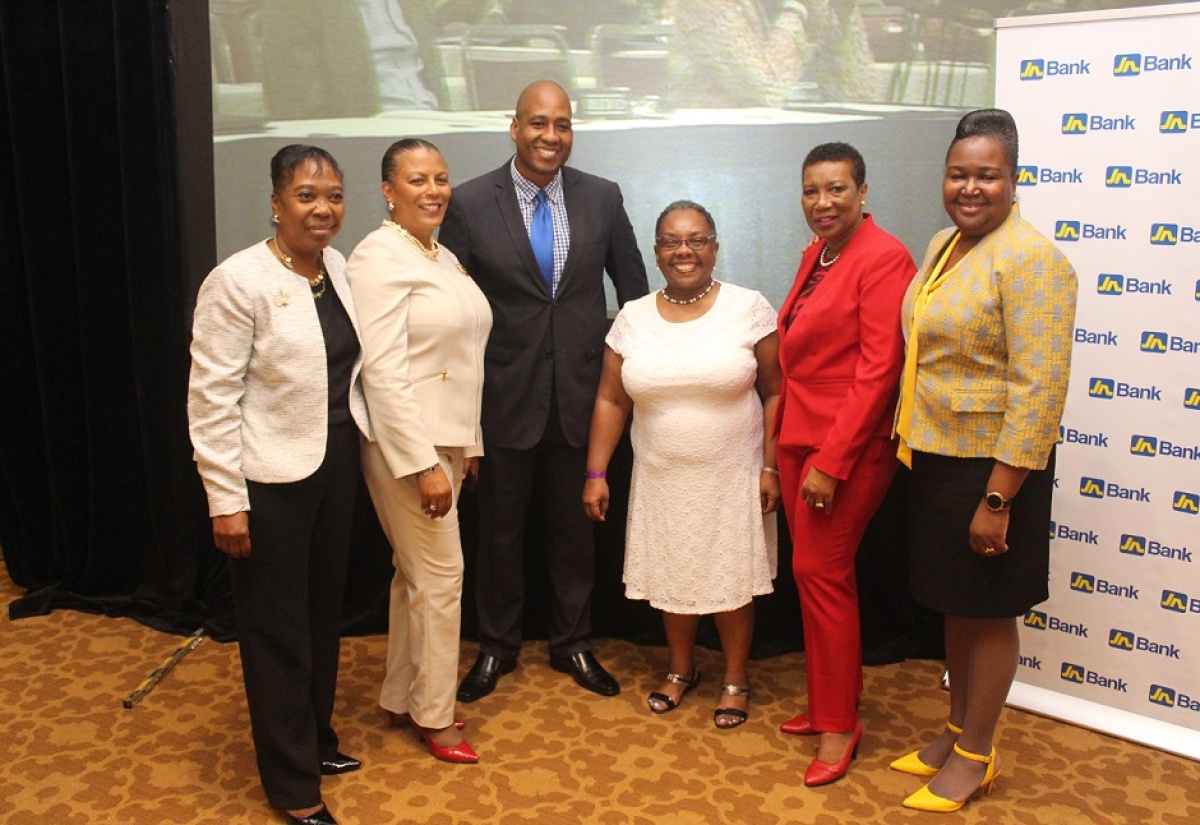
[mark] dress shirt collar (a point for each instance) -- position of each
(527, 189)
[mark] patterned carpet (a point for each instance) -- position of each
(551, 753)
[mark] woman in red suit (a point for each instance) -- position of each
(842, 352)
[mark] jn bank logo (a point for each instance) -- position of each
(1036, 619)
(1185, 502)
(1127, 65)
(1154, 341)
(1091, 487)
(1033, 69)
(1191, 398)
(1160, 695)
(1164, 234)
(1110, 283)
(1083, 582)
(1175, 601)
(1174, 121)
(1132, 545)
(1071, 672)
(1102, 388)
(1120, 639)
(1066, 230)
(1143, 445)
(1118, 177)
(1027, 176)
(1075, 123)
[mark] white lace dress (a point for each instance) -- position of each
(697, 541)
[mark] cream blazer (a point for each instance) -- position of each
(258, 394)
(425, 325)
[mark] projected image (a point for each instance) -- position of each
(716, 101)
(305, 59)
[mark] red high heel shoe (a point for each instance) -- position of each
(461, 753)
(799, 725)
(823, 773)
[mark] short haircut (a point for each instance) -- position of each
(684, 206)
(285, 161)
(839, 153)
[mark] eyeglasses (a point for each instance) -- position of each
(695, 244)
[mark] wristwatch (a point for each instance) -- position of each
(996, 502)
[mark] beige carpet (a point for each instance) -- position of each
(551, 753)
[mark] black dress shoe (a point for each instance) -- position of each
(481, 678)
(589, 673)
(321, 817)
(339, 763)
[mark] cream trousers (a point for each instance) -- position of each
(425, 605)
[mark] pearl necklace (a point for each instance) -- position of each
(431, 254)
(317, 284)
(821, 258)
(684, 302)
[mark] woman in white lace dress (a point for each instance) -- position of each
(697, 364)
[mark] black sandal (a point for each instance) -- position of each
(670, 704)
(737, 714)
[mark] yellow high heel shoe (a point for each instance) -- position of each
(926, 800)
(911, 763)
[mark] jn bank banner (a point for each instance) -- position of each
(1108, 107)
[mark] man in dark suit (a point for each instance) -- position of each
(537, 238)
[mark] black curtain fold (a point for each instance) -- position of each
(106, 230)
(101, 509)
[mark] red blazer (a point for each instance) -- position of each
(843, 354)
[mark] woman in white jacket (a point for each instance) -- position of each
(425, 325)
(276, 411)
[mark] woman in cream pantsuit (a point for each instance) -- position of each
(424, 327)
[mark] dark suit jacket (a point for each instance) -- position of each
(843, 354)
(539, 344)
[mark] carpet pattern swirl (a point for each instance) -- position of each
(550, 752)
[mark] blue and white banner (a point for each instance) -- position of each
(1108, 107)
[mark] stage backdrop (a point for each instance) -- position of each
(1109, 115)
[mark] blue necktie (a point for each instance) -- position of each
(541, 238)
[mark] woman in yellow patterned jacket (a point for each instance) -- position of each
(988, 325)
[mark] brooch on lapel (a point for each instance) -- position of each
(282, 298)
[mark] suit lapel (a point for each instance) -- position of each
(575, 202)
(506, 200)
(807, 261)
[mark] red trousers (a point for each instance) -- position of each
(824, 547)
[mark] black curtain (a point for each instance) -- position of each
(107, 229)
(100, 508)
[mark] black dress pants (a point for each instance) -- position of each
(508, 480)
(288, 604)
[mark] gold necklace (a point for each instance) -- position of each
(431, 254)
(317, 284)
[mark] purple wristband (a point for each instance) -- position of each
(590, 474)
